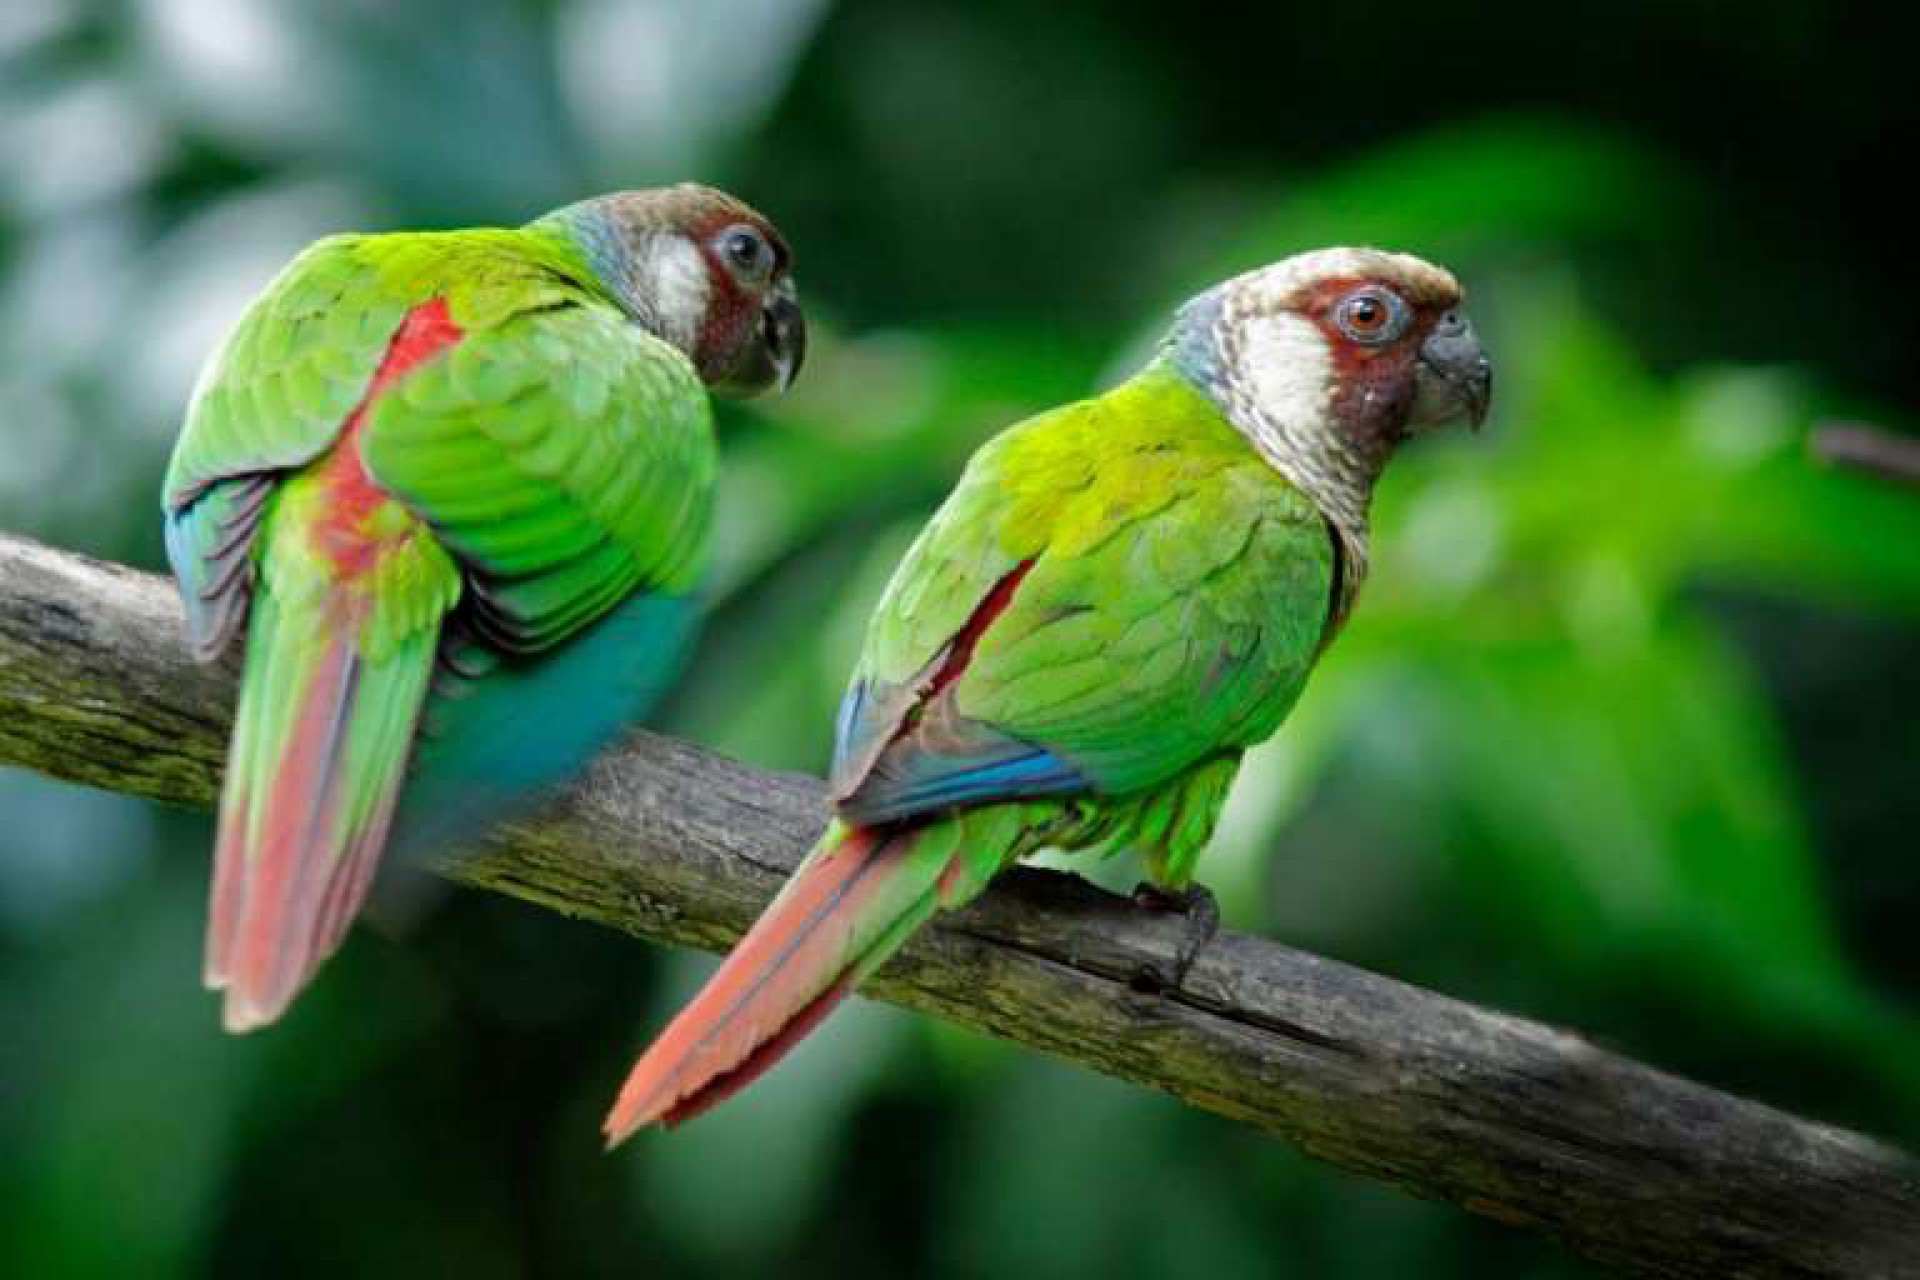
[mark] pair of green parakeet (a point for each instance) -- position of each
(455, 487)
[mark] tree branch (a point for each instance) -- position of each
(1504, 1117)
(1869, 449)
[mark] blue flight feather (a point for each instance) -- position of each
(908, 784)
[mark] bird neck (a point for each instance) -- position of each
(655, 277)
(1279, 403)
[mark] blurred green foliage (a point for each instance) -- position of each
(1624, 733)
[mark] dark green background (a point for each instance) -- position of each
(1625, 735)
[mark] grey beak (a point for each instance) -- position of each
(785, 328)
(1455, 375)
(772, 354)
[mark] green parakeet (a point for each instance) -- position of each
(1120, 598)
(454, 488)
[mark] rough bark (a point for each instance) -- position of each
(1504, 1117)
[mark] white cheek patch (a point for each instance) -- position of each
(1281, 383)
(1287, 370)
(673, 276)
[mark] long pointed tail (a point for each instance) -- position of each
(850, 905)
(319, 751)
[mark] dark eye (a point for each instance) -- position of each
(746, 251)
(1371, 315)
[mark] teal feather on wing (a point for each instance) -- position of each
(500, 728)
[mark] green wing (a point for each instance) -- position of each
(274, 397)
(277, 392)
(564, 456)
(562, 453)
(1116, 591)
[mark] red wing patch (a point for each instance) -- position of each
(984, 615)
(426, 331)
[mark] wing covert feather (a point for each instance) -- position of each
(279, 389)
(273, 397)
(565, 457)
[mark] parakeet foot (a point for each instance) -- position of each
(1202, 911)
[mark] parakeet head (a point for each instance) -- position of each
(701, 270)
(1327, 360)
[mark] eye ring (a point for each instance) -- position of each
(746, 252)
(1372, 316)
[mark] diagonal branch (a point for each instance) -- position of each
(1869, 449)
(1505, 1117)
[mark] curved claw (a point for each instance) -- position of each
(1202, 911)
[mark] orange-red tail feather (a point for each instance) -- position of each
(842, 912)
(308, 800)
(323, 732)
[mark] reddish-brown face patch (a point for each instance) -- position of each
(1376, 382)
(733, 308)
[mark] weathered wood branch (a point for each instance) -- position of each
(1870, 449)
(1504, 1117)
